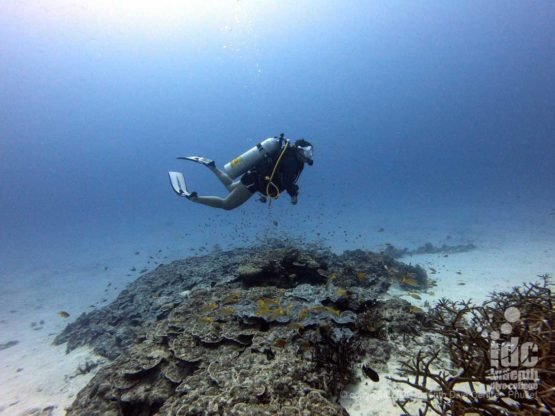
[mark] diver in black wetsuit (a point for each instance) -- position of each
(277, 172)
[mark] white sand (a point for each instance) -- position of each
(47, 375)
(35, 374)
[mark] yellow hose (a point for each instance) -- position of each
(271, 178)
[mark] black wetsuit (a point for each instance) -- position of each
(285, 178)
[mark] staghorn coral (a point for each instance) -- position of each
(501, 356)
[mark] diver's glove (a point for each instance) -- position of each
(262, 199)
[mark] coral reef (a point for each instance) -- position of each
(497, 359)
(277, 330)
(113, 329)
(282, 329)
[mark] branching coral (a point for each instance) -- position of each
(335, 353)
(502, 356)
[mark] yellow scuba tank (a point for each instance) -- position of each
(252, 157)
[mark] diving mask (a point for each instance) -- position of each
(307, 153)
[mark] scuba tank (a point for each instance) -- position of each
(253, 157)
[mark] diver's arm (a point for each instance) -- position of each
(291, 169)
(291, 186)
(293, 191)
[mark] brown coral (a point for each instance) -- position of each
(485, 347)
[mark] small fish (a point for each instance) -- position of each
(381, 230)
(361, 276)
(461, 283)
(407, 280)
(275, 223)
(105, 268)
(415, 296)
(63, 314)
(434, 271)
(458, 272)
(371, 374)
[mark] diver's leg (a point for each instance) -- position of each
(235, 184)
(239, 195)
(222, 176)
(210, 164)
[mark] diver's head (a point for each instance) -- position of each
(305, 151)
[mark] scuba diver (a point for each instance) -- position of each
(269, 168)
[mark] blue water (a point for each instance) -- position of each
(426, 115)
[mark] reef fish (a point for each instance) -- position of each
(63, 314)
(407, 280)
(371, 374)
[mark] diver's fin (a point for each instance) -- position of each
(178, 184)
(199, 159)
